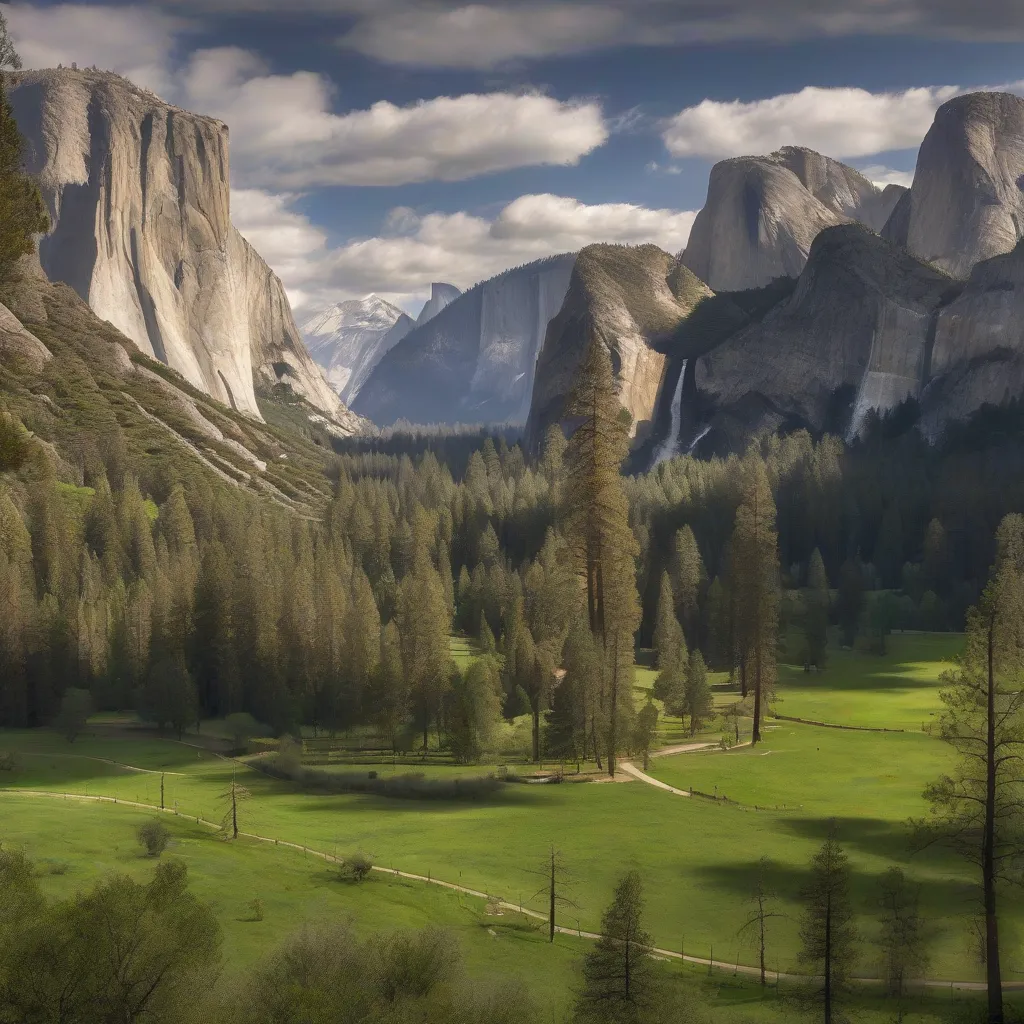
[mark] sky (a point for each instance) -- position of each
(380, 145)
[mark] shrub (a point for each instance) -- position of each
(255, 908)
(75, 708)
(153, 835)
(355, 867)
(242, 727)
(414, 786)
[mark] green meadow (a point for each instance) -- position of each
(696, 855)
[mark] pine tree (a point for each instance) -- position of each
(698, 701)
(755, 574)
(22, 213)
(827, 934)
(390, 689)
(688, 579)
(816, 602)
(979, 809)
(904, 956)
(669, 643)
(618, 973)
(601, 541)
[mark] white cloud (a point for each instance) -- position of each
(839, 122)
(284, 134)
(136, 42)
(412, 250)
(883, 176)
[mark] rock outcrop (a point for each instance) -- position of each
(138, 194)
(474, 361)
(763, 213)
(350, 338)
(967, 201)
(630, 297)
(441, 295)
(978, 355)
(861, 321)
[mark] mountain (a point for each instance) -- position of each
(855, 335)
(763, 213)
(978, 355)
(475, 360)
(631, 297)
(92, 397)
(138, 195)
(966, 203)
(441, 295)
(349, 338)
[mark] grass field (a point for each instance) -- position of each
(897, 691)
(75, 843)
(696, 855)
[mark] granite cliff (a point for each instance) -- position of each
(967, 201)
(475, 360)
(631, 298)
(138, 194)
(763, 213)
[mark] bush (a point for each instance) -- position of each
(355, 867)
(414, 786)
(153, 835)
(242, 727)
(75, 708)
(288, 759)
(255, 908)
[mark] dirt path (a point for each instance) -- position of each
(969, 986)
(631, 769)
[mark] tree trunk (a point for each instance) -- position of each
(535, 711)
(551, 902)
(760, 912)
(614, 708)
(828, 958)
(755, 737)
(988, 867)
(743, 676)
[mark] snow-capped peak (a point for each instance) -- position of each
(370, 314)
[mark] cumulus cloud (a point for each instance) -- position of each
(839, 122)
(843, 123)
(284, 134)
(413, 250)
(136, 42)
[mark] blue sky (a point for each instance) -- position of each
(381, 144)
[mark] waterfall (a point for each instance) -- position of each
(670, 445)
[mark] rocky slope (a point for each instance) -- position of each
(475, 360)
(349, 338)
(87, 391)
(138, 193)
(763, 213)
(441, 295)
(631, 297)
(855, 335)
(967, 201)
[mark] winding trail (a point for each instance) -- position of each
(669, 954)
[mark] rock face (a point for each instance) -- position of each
(138, 194)
(861, 320)
(967, 200)
(349, 338)
(978, 356)
(763, 213)
(441, 295)
(474, 361)
(630, 298)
